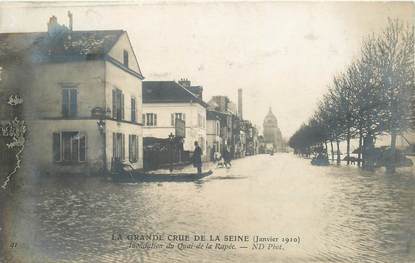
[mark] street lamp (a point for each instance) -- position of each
(171, 137)
(101, 126)
(101, 114)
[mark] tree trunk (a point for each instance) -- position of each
(364, 155)
(338, 152)
(332, 151)
(359, 155)
(326, 150)
(391, 160)
(348, 146)
(368, 153)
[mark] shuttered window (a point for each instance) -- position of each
(69, 102)
(118, 148)
(133, 148)
(150, 119)
(69, 146)
(117, 104)
(177, 115)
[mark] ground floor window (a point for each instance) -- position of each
(69, 146)
(133, 148)
(118, 148)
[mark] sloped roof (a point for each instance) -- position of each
(62, 46)
(197, 90)
(168, 92)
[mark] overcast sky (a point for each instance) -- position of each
(281, 54)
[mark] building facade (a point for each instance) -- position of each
(83, 103)
(226, 110)
(213, 132)
(166, 101)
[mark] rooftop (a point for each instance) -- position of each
(65, 45)
(168, 92)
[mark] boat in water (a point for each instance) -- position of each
(134, 177)
(320, 160)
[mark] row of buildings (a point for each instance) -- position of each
(86, 105)
(215, 125)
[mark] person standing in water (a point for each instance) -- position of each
(227, 157)
(197, 158)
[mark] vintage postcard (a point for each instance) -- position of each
(207, 131)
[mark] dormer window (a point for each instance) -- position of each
(125, 61)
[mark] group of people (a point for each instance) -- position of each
(220, 160)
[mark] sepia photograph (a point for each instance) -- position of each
(207, 131)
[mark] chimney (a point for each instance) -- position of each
(185, 82)
(52, 25)
(70, 20)
(54, 29)
(240, 103)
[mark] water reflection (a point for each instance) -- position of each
(341, 214)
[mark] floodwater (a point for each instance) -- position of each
(339, 214)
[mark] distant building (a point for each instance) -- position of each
(251, 138)
(226, 109)
(213, 131)
(272, 134)
(166, 101)
(404, 141)
(82, 97)
(240, 104)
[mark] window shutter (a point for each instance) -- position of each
(130, 150)
(144, 119)
(73, 102)
(155, 119)
(136, 147)
(172, 119)
(74, 139)
(122, 106)
(56, 146)
(133, 110)
(82, 148)
(114, 145)
(65, 102)
(123, 147)
(114, 104)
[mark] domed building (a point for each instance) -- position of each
(272, 134)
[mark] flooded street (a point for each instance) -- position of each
(340, 214)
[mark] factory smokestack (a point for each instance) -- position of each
(240, 103)
(70, 20)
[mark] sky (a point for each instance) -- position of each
(282, 54)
